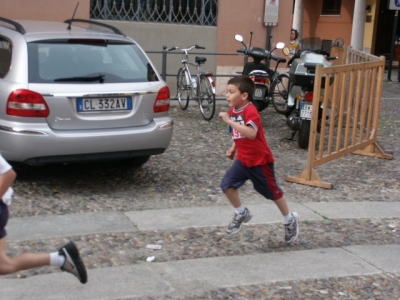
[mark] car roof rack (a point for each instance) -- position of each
(18, 27)
(114, 29)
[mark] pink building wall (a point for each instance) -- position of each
(47, 10)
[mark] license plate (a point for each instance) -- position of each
(259, 93)
(306, 111)
(103, 104)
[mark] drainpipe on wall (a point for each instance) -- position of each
(357, 31)
(298, 17)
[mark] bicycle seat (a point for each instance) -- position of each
(200, 60)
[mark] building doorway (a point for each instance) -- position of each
(384, 30)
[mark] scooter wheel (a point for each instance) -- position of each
(304, 134)
(260, 105)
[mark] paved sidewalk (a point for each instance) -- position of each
(179, 278)
(31, 228)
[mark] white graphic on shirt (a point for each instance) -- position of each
(240, 120)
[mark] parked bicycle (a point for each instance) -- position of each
(200, 87)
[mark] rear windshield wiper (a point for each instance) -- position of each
(99, 78)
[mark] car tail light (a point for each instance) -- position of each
(309, 96)
(26, 103)
(162, 101)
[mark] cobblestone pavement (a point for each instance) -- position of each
(188, 175)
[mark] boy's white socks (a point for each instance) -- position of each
(239, 210)
(56, 259)
(288, 219)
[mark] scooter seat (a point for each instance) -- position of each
(200, 60)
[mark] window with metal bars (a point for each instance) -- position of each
(331, 7)
(193, 12)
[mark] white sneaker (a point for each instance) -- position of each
(292, 229)
(73, 263)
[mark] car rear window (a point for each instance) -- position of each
(81, 60)
(5, 56)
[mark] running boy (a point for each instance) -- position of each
(67, 257)
(254, 159)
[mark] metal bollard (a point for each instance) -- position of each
(164, 64)
(398, 69)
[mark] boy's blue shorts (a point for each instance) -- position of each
(3, 219)
(262, 177)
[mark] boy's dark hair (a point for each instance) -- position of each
(244, 84)
(296, 33)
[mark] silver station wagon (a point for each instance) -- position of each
(78, 91)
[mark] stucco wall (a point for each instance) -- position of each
(241, 17)
(49, 10)
(328, 27)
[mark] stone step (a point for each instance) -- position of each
(186, 277)
(42, 227)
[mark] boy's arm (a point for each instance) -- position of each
(246, 130)
(230, 153)
(6, 180)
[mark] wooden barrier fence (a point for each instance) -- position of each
(350, 115)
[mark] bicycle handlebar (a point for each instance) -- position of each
(187, 49)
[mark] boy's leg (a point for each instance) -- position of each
(24, 261)
(233, 196)
(292, 220)
(282, 206)
(72, 262)
(238, 218)
(264, 181)
(234, 178)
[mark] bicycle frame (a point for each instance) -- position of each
(199, 74)
(199, 87)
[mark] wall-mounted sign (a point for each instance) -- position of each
(394, 4)
(271, 12)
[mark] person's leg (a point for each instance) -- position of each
(234, 178)
(24, 261)
(292, 220)
(67, 258)
(233, 196)
(282, 206)
(264, 181)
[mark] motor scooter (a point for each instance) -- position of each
(302, 75)
(259, 71)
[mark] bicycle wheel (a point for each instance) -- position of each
(280, 93)
(183, 88)
(206, 99)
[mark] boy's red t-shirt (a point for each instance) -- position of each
(250, 152)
